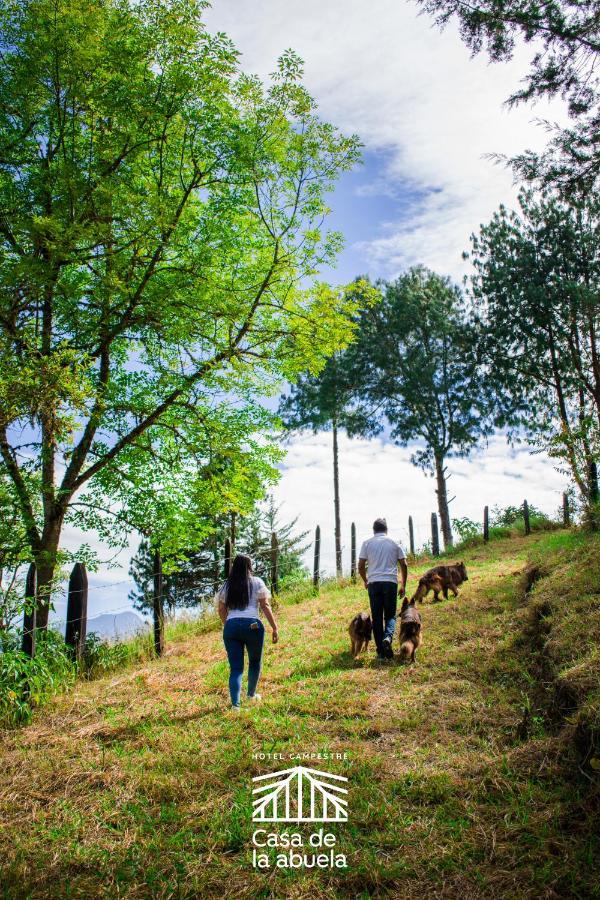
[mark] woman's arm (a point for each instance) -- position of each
(222, 610)
(266, 608)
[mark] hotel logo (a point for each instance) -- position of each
(299, 795)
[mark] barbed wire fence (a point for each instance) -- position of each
(415, 537)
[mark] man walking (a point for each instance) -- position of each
(378, 567)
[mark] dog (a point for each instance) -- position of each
(441, 579)
(410, 630)
(361, 631)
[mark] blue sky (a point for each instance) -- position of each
(358, 213)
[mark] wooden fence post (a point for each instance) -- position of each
(274, 563)
(29, 615)
(594, 517)
(76, 627)
(227, 566)
(435, 536)
(317, 558)
(486, 524)
(593, 482)
(411, 536)
(526, 517)
(566, 511)
(353, 553)
(158, 607)
(233, 533)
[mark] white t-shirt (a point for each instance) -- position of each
(382, 554)
(257, 591)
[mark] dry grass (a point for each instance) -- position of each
(138, 785)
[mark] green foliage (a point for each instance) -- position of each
(161, 230)
(417, 354)
(466, 528)
(254, 539)
(27, 683)
(195, 576)
(101, 656)
(511, 516)
(565, 627)
(566, 34)
(174, 493)
(536, 283)
(332, 397)
(416, 361)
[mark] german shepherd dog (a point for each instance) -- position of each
(441, 578)
(360, 630)
(410, 630)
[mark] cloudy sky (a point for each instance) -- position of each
(427, 115)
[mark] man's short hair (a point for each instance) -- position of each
(379, 525)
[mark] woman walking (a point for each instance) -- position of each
(240, 599)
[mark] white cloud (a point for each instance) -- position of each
(377, 479)
(385, 72)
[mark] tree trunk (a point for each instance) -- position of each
(45, 560)
(336, 503)
(442, 497)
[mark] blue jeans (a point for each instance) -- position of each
(383, 596)
(237, 634)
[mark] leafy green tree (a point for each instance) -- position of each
(159, 213)
(536, 287)
(566, 63)
(14, 554)
(417, 356)
(324, 402)
(196, 575)
(191, 579)
(216, 462)
(255, 539)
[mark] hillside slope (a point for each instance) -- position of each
(139, 785)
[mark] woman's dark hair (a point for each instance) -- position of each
(237, 586)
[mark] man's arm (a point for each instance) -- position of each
(362, 571)
(403, 577)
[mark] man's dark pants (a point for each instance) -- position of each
(383, 596)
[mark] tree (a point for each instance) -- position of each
(327, 401)
(567, 38)
(417, 355)
(195, 577)
(159, 211)
(14, 554)
(255, 539)
(536, 286)
(322, 402)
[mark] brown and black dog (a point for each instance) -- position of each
(360, 630)
(441, 578)
(410, 630)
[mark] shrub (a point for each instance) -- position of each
(466, 528)
(26, 683)
(100, 656)
(512, 517)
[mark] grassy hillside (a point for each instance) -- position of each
(464, 779)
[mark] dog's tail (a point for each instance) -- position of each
(406, 649)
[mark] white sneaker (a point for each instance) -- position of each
(235, 709)
(255, 698)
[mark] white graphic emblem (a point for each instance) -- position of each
(299, 795)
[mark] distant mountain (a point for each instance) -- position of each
(116, 626)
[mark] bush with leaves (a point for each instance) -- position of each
(26, 683)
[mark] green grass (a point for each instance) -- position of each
(462, 782)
